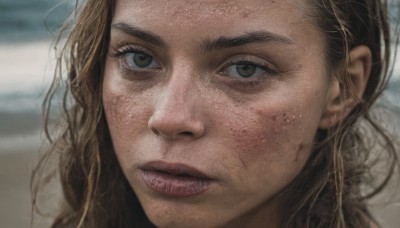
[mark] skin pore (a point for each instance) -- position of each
(235, 89)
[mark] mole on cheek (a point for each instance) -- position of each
(300, 148)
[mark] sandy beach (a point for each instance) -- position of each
(24, 68)
(21, 140)
(15, 167)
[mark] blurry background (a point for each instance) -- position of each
(26, 30)
(26, 65)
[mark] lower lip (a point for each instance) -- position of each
(174, 186)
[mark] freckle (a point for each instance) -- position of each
(300, 148)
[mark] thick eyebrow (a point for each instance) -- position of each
(250, 37)
(140, 34)
(206, 45)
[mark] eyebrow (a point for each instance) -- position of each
(250, 37)
(140, 34)
(207, 45)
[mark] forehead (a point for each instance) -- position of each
(181, 23)
(210, 12)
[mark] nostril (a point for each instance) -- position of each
(187, 133)
(183, 133)
(155, 131)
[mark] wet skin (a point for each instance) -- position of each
(179, 89)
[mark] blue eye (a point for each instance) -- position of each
(245, 70)
(137, 60)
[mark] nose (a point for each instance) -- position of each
(176, 113)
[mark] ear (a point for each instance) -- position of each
(342, 98)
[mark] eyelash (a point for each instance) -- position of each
(251, 82)
(127, 49)
(120, 53)
(264, 67)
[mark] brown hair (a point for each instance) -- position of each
(331, 190)
(337, 181)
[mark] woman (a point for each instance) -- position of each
(222, 113)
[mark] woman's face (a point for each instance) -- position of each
(213, 106)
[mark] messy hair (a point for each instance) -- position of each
(338, 180)
(330, 191)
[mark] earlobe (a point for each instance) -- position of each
(343, 96)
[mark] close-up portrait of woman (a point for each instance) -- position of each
(217, 113)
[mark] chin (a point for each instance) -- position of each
(170, 219)
(175, 213)
(182, 223)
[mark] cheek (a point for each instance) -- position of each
(126, 112)
(120, 111)
(126, 117)
(275, 136)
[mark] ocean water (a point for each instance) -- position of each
(30, 20)
(26, 27)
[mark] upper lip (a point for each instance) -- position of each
(175, 169)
